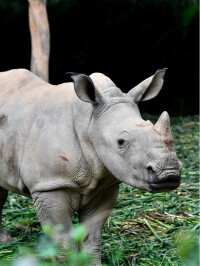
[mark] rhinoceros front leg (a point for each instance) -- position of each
(94, 216)
(53, 207)
(4, 236)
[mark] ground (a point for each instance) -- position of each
(144, 228)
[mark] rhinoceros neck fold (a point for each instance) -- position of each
(91, 167)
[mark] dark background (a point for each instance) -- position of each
(128, 40)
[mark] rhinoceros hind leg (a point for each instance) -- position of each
(4, 236)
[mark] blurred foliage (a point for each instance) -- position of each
(144, 228)
(47, 251)
(14, 6)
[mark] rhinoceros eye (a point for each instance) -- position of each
(121, 142)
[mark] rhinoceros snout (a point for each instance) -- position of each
(163, 182)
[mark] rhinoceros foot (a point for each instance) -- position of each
(5, 237)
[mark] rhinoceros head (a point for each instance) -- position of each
(134, 150)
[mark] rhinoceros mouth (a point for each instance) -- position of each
(169, 183)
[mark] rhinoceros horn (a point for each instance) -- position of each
(162, 127)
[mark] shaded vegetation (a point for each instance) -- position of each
(144, 229)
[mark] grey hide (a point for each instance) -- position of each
(69, 146)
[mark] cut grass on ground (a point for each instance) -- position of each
(144, 228)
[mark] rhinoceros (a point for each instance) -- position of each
(69, 146)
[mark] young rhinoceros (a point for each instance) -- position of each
(69, 149)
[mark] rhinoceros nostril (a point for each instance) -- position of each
(150, 169)
(151, 174)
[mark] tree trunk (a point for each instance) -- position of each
(40, 38)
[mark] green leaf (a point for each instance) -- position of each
(78, 233)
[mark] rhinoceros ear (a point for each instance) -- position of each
(149, 88)
(85, 88)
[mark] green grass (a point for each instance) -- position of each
(144, 228)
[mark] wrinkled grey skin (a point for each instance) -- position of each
(69, 149)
